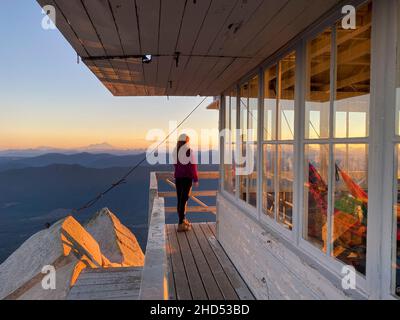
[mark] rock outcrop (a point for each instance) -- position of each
(116, 241)
(68, 247)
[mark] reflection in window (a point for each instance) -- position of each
(248, 141)
(349, 231)
(286, 178)
(353, 77)
(270, 99)
(230, 123)
(269, 180)
(318, 86)
(316, 194)
(396, 262)
(287, 72)
(279, 94)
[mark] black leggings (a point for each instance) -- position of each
(183, 187)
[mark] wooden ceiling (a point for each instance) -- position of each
(198, 47)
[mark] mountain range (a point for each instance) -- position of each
(35, 191)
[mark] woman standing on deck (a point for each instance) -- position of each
(185, 176)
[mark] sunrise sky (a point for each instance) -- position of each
(47, 99)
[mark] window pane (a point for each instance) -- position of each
(270, 95)
(349, 230)
(396, 263)
(353, 77)
(248, 149)
(286, 99)
(233, 115)
(244, 109)
(285, 176)
(269, 180)
(248, 174)
(253, 108)
(318, 86)
(316, 172)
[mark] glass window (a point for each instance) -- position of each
(396, 263)
(353, 77)
(248, 141)
(278, 156)
(316, 194)
(269, 180)
(286, 179)
(349, 234)
(318, 86)
(270, 100)
(287, 69)
(335, 221)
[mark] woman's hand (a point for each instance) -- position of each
(196, 184)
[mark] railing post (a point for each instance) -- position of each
(153, 194)
(154, 285)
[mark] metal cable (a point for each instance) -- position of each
(122, 180)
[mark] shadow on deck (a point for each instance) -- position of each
(198, 267)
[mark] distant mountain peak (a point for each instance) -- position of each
(100, 146)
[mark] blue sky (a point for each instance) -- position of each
(47, 99)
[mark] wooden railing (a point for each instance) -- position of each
(168, 178)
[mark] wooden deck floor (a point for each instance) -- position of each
(107, 284)
(199, 268)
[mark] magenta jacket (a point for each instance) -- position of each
(186, 171)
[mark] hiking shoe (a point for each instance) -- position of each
(184, 228)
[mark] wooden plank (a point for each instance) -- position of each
(214, 25)
(206, 65)
(212, 175)
(170, 272)
(172, 194)
(103, 23)
(193, 20)
(214, 74)
(192, 210)
(171, 16)
(181, 281)
(257, 16)
(192, 273)
(213, 228)
(204, 253)
(76, 14)
(241, 15)
(176, 74)
(127, 25)
(148, 13)
(236, 280)
(105, 284)
(206, 272)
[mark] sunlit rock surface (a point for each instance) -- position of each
(70, 248)
(116, 241)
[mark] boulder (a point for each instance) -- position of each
(70, 248)
(116, 241)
